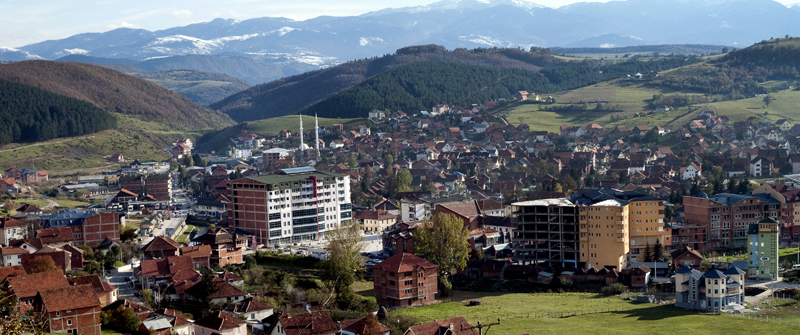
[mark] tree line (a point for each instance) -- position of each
(419, 85)
(29, 114)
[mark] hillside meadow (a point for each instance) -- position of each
(536, 314)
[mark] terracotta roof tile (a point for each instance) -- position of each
(367, 325)
(55, 235)
(69, 297)
(404, 262)
(197, 251)
(219, 321)
(11, 271)
(315, 323)
(161, 243)
(439, 327)
(27, 286)
(465, 208)
(249, 305)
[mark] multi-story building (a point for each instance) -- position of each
(710, 291)
(412, 210)
(291, 205)
(405, 280)
(375, 221)
(688, 235)
(726, 216)
(88, 228)
(762, 249)
(12, 229)
(602, 228)
(69, 309)
(226, 248)
(157, 185)
(546, 231)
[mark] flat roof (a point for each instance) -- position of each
(545, 202)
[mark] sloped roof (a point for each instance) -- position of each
(219, 321)
(55, 235)
(69, 297)
(441, 326)
(367, 325)
(467, 209)
(161, 243)
(93, 280)
(404, 262)
(197, 251)
(318, 322)
(27, 286)
(249, 305)
(11, 271)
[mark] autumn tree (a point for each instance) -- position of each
(443, 241)
(344, 261)
(42, 263)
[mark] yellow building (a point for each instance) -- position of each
(604, 234)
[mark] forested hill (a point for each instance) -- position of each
(30, 114)
(739, 73)
(420, 85)
(115, 92)
(293, 94)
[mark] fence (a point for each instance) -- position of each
(767, 318)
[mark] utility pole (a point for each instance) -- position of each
(480, 327)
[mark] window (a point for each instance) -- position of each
(69, 322)
(58, 313)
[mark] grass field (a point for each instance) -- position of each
(522, 313)
(185, 234)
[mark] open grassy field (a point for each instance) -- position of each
(292, 122)
(523, 313)
(631, 98)
(185, 234)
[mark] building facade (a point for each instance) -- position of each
(762, 249)
(710, 291)
(405, 280)
(291, 205)
(88, 228)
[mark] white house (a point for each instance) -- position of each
(760, 166)
(690, 171)
(240, 153)
(11, 256)
(412, 210)
(11, 229)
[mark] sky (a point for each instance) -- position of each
(24, 22)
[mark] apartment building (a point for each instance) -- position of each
(727, 216)
(762, 249)
(602, 228)
(157, 185)
(291, 205)
(88, 228)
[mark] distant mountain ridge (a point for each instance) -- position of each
(326, 41)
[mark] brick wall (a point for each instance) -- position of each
(85, 320)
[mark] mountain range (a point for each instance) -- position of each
(282, 43)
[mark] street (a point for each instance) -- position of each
(169, 226)
(117, 278)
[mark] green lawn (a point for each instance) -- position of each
(38, 202)
(68, 203)
(185, 234)
(523, 313)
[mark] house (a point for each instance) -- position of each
(691, 171)
(251, 310)
(405, 280)
(367, 325)
(521, 95)
(12, 229)
(224, 293)
(165, 322)
(220, 323)
(104, 291)
(160, 247)
(25, 287)
(697, 125)
(685, 256)
(452, 326)
(119, 158)
(11, 256)
(374, 221)
(226, 248)
(201, 255)
(316, 322)
(8, 185)
(784, 124)
(760, 167)
(61, 258)
(69, 309)
(662, 108)
(285, 133)
(710, 291)
(181, 150)
(468, 211)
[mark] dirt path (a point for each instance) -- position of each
(46, 143)
(50, 205)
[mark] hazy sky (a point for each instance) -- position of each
(28, 21)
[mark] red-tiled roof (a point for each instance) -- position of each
(27, 286)
(180, 319)
(12, 251)
(441, 326)
(161, 243)
(318, 322)
(69, 297)
(249, 305)
(11, 223)
(466, 209)
(367, 325)
(55, 235)
(98, 285)
(230, 277)
(11, 271)
(219, 321)
(404, 262)
(197, 251)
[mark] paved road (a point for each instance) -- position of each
(117, 279)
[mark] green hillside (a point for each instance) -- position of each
(30, 114)
(203, 88)
(271, 127)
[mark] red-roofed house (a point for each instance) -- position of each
(11, 229)
(317, 322)
(468, 211)
(55, 237)
(451, 326)
(251, 310)
(160, 247)
(367, 325)
(11, 255)
(180, 151)
(105, 291)
(25, 287)
(220, 323)
(69, 309)
(374, 221)
(405, 280)
(201, 255)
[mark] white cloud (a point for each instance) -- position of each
(182, 13)
(124, 24)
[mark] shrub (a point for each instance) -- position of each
(614, 289)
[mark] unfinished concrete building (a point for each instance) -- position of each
(547, 232)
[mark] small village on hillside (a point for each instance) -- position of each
(362, 231)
